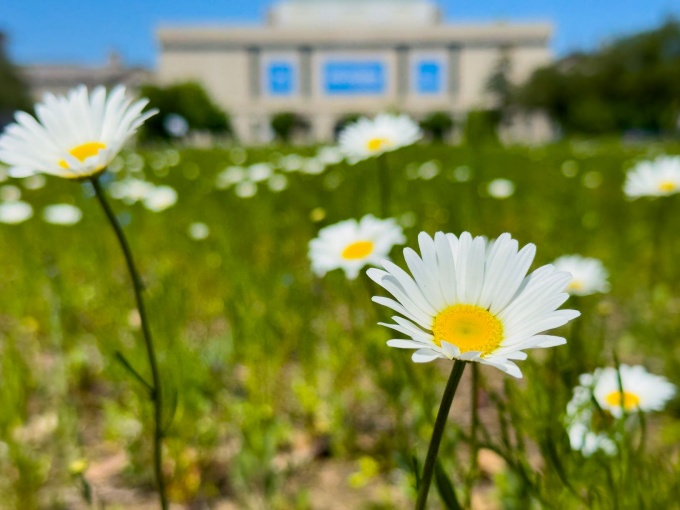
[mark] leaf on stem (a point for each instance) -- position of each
(128, 366)
(445, 488)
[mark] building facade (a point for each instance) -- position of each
(328, 59)
(60, 78)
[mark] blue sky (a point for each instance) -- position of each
(84, 31)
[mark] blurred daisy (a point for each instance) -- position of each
(641, 390)
(15, 212)
(62, 214)
(160, 199)
(10, 193)
(260, 172)
(472, 300)
(329, 155)
(246, 189)
(657, 178)
(198, 231)
(33, 182)
(588, 275)
(350, 245)
(366, 138)
(75, 136)
(501, 188)
(587, 441)
(277, 182)
(131, 190)
(586, 434)
(230, 175)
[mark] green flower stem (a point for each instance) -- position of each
(156, 393)
(385, 185)
(437, 433)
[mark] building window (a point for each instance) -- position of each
(354, 77)
(280, 78)
(428, 73)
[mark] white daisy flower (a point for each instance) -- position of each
(350, 245)
(501, 188)
(366, 138)
(330, 155)
(160, 198)
(657, 178)
(10, 193)
(75, 136)
(641, 390)
(198, 231)
(15, 212)
(246, 189)
(580, 424)
(585, 440)
(260, 172)
(131, 190)
(62, 214)
(472, 300)
(588, 275)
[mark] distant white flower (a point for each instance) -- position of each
(313, 166)
(131, 190)
(246, 189)
(641, 390)
(62, 214)
(10, 193)
(588, 275)
(15, 212)
(587, 441)
(260, 172)
(33, 182)
(75, 136)
(350, 245)
(657, 178)
(277, 182)
(330, 155)
(160, 198)
(176, 125)
(198, 231)
(501, 188)
(231, 175)
(366, 138)
(587, 424)
(472, 300)
(292, 162)
(429, 170)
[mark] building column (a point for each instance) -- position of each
(454, 71)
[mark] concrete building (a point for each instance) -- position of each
(327, 59)
(60, 78)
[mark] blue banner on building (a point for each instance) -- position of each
(429, 77)
(281, 79)
(354, 78)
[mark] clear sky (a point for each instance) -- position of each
(84, 31)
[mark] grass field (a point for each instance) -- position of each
(278, 377)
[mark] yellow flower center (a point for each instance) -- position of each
(84, 151)
(358, 250)
(468, 327)
(630, 400)
(575, 286)
(667, 186)
(377, 144)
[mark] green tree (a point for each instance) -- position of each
(437, 125)
(631, 84)
(13, 90)
(190, 102)
(285, 124)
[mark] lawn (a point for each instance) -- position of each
(280, 390)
